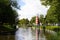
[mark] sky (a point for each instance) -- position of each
(30, 8)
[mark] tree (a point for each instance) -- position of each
(10, 2)
(52, 16)
(41, 18)
(23, 22)
(49, 2)
(7, 14)
(14, 4)
(33, 20)
(53, 12)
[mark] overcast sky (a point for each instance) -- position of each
(30, 8)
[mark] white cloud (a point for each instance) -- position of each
(31, 8)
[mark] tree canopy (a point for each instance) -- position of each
(7, 14)
(53, 12)
(33, 20)
(49, 2)
(23, 22)
(41, 18)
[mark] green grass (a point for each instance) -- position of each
(48, 27)
(51, 27)
(52, 37)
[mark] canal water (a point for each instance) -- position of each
(28, 34)
(23, 34)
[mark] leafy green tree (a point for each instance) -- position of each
(53, 12)
(33, 20)
(49, 2)
(14, 3)
(7, 14)
(10, 2)
(23, 22)
(41, 18)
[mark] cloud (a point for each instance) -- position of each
(31, 8)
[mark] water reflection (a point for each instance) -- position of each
(30, 34)
(27, 34)
(23, 34)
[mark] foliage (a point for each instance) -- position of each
(51, 27)
(33, 20)
(49, 2)
(52, 37)
(10, 2)
(42, 18)
(7, 14)
(52, 16)
(14, 4)
(53, 12)
(23, 22)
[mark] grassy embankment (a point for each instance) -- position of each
(51, 36)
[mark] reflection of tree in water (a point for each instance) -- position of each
(29, 34)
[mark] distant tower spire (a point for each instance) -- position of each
(37, 20)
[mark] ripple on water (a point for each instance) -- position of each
(27, 34)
